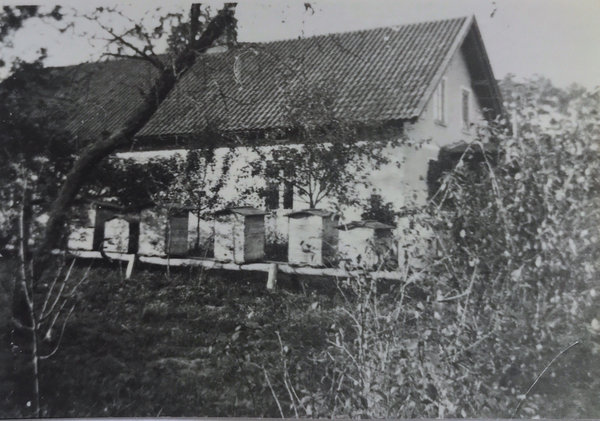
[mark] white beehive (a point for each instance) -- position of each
(121, 234)
(104, 212)
(239, 234)
(87, 225)
(363, 243)
(153, 231)
(81, 235)
(313, 237)
(164, 231)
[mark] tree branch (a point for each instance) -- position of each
(44, 357)
(118, 38)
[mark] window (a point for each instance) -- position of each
(272, 189)
(288, 188)
(279, 190)
(466, 99)
(439, 102)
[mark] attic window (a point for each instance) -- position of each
(439, 102)
(466, 99)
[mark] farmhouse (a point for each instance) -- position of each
(432, 81)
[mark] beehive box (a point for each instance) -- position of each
(178, 233)
(153, 231)
(313, 237)
(121, 234)
(81, 235)
(164, 231)
(103, 212)
(87, 225)
(364, 243)
(239, 234)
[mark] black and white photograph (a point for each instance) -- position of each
(336, 209)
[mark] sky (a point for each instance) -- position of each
(559, 39)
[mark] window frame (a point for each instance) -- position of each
(467, 122)
(440, 94)
(272, 188)
(279, 193)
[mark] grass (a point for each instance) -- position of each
(192, 343)
(164, 345)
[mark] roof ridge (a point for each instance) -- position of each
(310, 37)
(356, 31)
(105, 60)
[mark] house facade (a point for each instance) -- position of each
(431, 79)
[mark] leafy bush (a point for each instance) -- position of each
(376, 210)
(503, 267)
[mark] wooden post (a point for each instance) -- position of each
(130, 262)
(272, 278)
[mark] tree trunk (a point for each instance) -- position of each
(197, 246)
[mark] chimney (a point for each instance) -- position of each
(229, 38)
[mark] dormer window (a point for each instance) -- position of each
(466, 109)
(439, 103)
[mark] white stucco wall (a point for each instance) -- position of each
(81, 238)
(414, 168)
(457, 77)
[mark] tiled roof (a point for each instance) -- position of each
(107, 94)
(92, 100)
(379, 74)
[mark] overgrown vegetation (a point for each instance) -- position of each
(219, 344)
